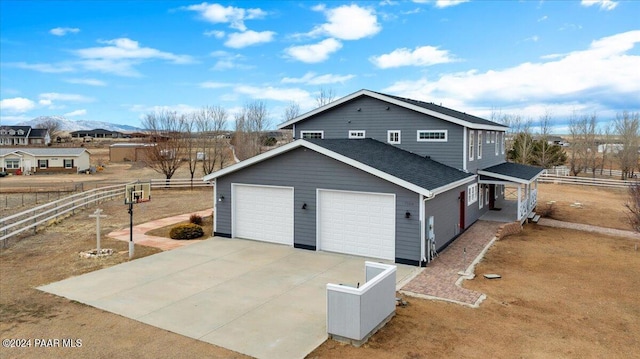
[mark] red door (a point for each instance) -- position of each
(462, 196)
(492, 196)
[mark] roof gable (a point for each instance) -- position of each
(45, 151)
(416, 173)
(431, 109)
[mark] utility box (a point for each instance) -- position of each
(354, 314)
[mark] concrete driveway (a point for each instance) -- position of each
(260, 299)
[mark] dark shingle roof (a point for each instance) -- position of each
(445, 111)
(38, 132)
(513, 170)
(407, 166)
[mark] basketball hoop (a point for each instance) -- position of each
(135, 193)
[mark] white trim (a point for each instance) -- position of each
(502, 144)
(344, 159)
(399, 141)
(471, 145)
(508, 178)
(479, 145)
(445, 139)
(394, 101)
(464, 150)
(302, 133)
(215, 206)
(356, 134)
(472, 194)
(452, 185)
(480, 196)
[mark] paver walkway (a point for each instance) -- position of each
(440, 279)
(139, 236)
(588, 228)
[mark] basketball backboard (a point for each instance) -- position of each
(137, 192)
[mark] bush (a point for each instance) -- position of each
(548, 211)
(195, 219)
(186, 231)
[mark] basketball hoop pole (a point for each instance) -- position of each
(130, 229)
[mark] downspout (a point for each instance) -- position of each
(215, 206)
(423, 237)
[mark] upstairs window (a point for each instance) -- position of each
(479, 144)
(393, 137)
(472, 145)
(472, 194)
(357, 134)
(502, 143)
(432, 136)
(311, 134)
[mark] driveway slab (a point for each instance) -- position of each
(260, 299)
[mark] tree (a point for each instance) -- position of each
(583, 143)
(547, 155)
(190, 144)
(627, 127)
(633, 206)
(53, 126)
(251, 122)
(325, 96)
(165, 130)
(211, 121)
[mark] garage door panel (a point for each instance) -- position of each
(263, 213)
(357, 223)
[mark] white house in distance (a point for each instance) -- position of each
(44, 160)
(23, 136)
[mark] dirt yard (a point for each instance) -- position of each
(563, 294)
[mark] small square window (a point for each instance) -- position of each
(393, 137)
(358, 134)
(311, 134)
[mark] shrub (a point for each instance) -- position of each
(186, 231)
(195, 219)
(548, 211)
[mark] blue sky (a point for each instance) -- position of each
(116, 61)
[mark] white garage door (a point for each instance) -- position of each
(357, 223)
(263, 213)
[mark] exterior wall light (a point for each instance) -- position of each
(221, 198)
(304, 206)
(407, 214)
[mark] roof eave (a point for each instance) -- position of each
(509, 178)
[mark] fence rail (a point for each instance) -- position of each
(599, 182)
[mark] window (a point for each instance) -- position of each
(12, 163)
(488, 137)
(479, 144)
(432, 136)
(471, 144)
(493, 140)
(502, 143)
(493, 136)
(20, 132)
(472, 194)
(311, 134)
(43, 163)
(481, 197)
(486, 194)
(68, 163)
(356, 134)
(393, 137)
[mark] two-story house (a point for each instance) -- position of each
(374, 175)
(23, 136)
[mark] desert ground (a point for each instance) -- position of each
(563, 293)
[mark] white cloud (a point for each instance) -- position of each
(347, 22)
(544, 18)
(228, 61)
(16, 105)
(315, 52)
(420, 56)
(215, 33)
(274, 93)
(311, 78)
(234, 16)
(605, 72)
(442, 3)
(61, 31)
(606, 5)
(213, 85)
(42, 67)
(81, 112)
(122, 54)
(181, 109)
(48, 99)
(90, 82)
(243, 39)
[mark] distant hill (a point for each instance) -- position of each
(77, 125)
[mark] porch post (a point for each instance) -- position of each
(519, 201)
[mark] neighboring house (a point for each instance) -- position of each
(611, 148)
(374, 175)
(96, 133)
(44, 160)
(128, 152)
(23, 136)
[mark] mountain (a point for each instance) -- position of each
(77, 125)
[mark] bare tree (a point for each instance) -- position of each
(165, 130)
(291, 111)
(607, 137)
(583, 144)
(190, 144)
(211, 122)
(519, 141)
(633, 206)
(53, 126)
(325, 96)
(627, 127)
(251, 122)
(544, 150)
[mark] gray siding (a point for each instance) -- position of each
(376, 120)
(306, 170)
(489, 157)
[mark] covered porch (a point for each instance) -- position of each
(512, 190)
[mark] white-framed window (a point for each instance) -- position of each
(311, 134)
(393, 137)
(472, 194)
(486, 194)
(68, 163)
(493, 136)
(357, 134)
(488, 136)
(432, 136)
(495, 144)
(12, 163)
(481, 197)
(502, 143)
(479, 144)
(43, 163)
(472, 146)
